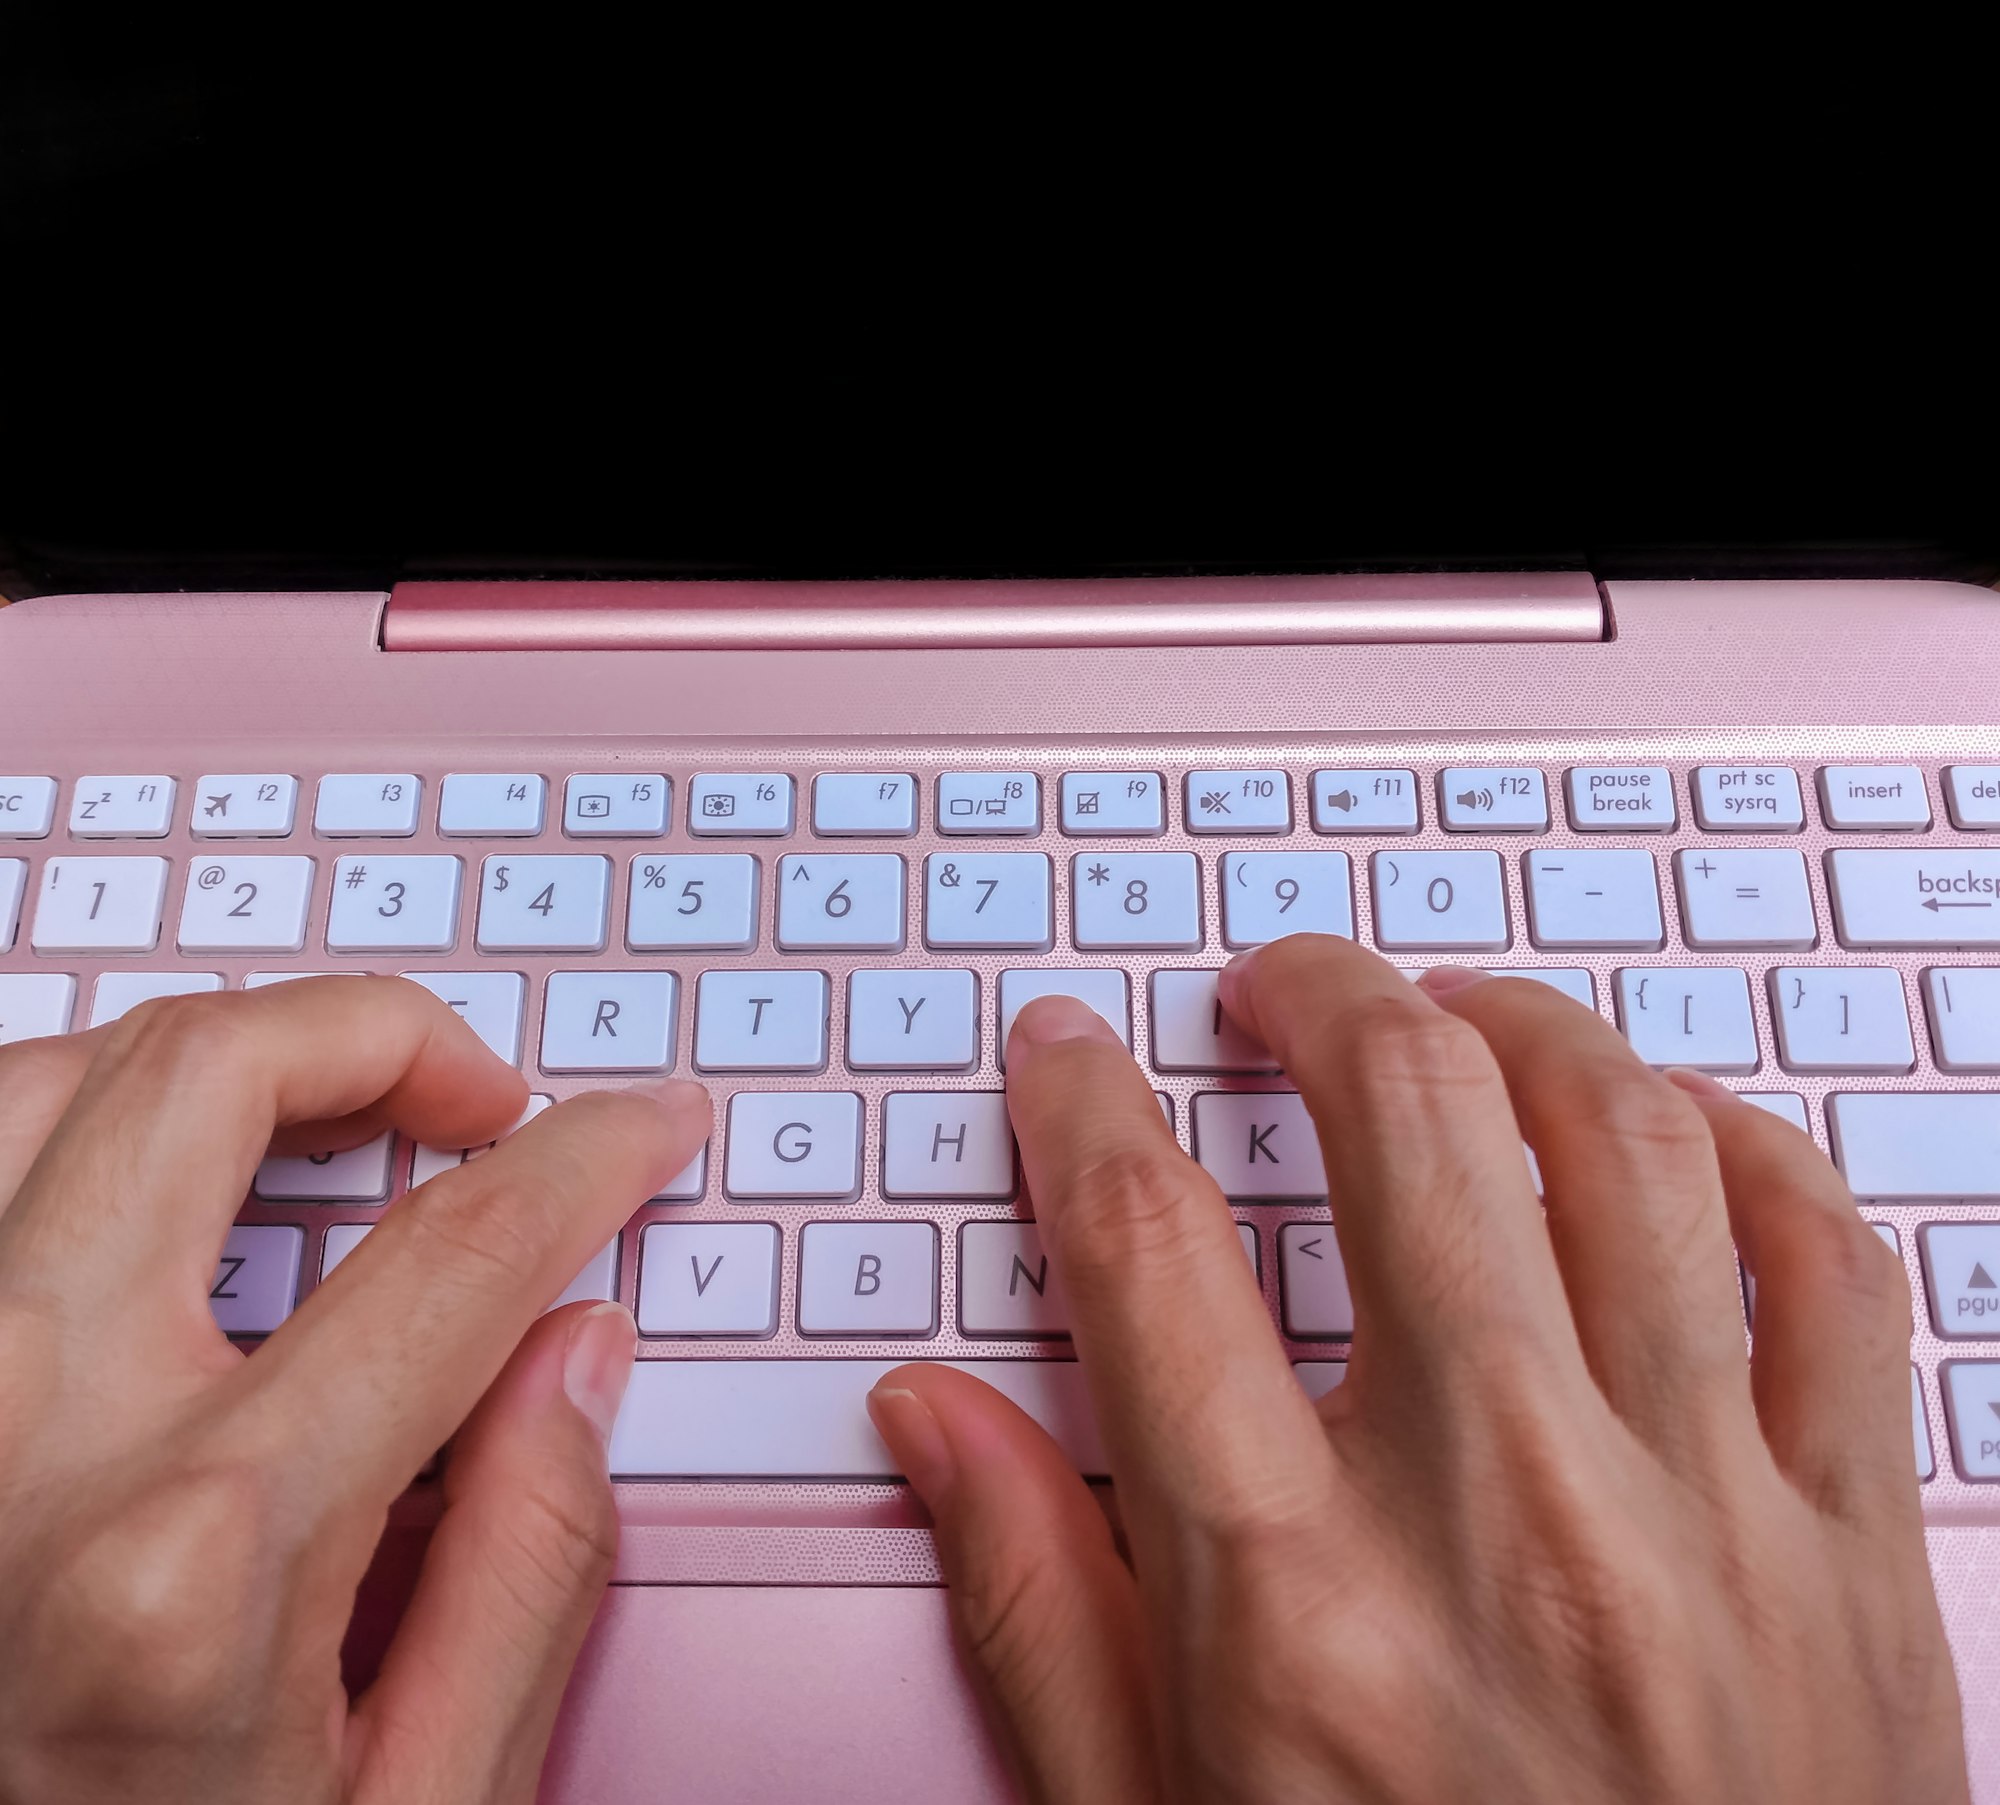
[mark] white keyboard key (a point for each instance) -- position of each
(1267, 895)
(256, 805)
(1313, 1283)
(1238, 802)
(1874, 798)
(27, 807)
(808, 1419)
(122, 808)
(99, 906)
(1101, 987)
(34, 1004)
(1973, 792)
(360, 1175)
(492, 805)
(924, 1020)
(868, 1278)
(1962, 1274)
(1365, 802)
(1740, 896)
(597, 1282)
(1113, 802)
(1492, 799)
(1192, 1034)
(1005, 1286)
(546, 904)
(490, 1001)
(624, 805)
(393, 905)
(608, 1021)
(246, 905)
(1787, 1104)
(1695, 1016)
(760, 1021)
(120, 991)
(1920, 1425)
(1891, 898)
(947, 1144)
(1972, 1403)
(1621, 799)
(256, 1278)
(881, 803)
(1130, 900)
(695, 902)
(1748, 799)
(989, 802)
(793, 1144)
(1841, 1018)
(1923, 1146)
(370, 805)
(726, 804)
(989, 899)
(1259, 1146)
(689, 1184)
(1593, 897)
(1964, 1005)
(708, 1278)
(841, 901)
(1439, 900)
(13, 885)
(342, 1238)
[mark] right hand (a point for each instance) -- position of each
(1554, 1540)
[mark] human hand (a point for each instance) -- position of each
(182, 1529)
(1554, 1539)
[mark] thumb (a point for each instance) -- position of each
(469, 1689)
(1047, 1613)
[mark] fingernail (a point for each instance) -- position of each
(916, 1439)
(1441, 978)
(675, 1094)
(1049, 1019)
(1235, 974)
(1698, 1084)
(597, 1364)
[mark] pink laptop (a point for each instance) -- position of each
(815, 843)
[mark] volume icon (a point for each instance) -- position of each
(1482, 799)
(1341, 799)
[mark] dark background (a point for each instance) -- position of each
(337, 306)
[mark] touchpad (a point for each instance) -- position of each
(745, 1695)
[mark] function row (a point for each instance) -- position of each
(1595, 898)
(1825, 1019)
(639, 805)
(854, 1279)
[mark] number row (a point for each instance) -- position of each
(1597, 898)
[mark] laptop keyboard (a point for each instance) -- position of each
(839, 954)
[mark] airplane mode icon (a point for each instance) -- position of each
(219, 805)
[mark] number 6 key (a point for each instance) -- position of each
(833, 901)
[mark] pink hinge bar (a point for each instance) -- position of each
(709, 616)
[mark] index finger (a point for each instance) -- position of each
(135, 1184)
(1199, 1410)
(383, 1362)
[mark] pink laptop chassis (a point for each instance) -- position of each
(789, 1642)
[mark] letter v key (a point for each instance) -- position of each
(701, 1281)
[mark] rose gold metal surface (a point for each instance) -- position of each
(1792, 673)
(961, 616)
